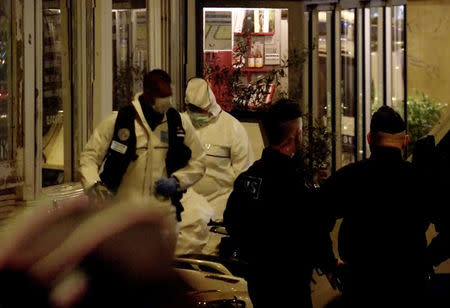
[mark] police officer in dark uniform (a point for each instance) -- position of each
(386, 209)
(270, 215)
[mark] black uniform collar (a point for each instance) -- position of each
(152, 117)
(386, 153)
(278, 158)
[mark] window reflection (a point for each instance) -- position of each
(5, 80)
(52, 100)
(348, 87)
(398, 59)
(376, 58)
(324, 108)
(129, 49)
(245, 52)
(324, 93)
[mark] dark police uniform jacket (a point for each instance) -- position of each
(272, 215)
(386, 206)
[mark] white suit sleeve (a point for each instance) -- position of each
(241, 151)
(195, 169)
(95, 151)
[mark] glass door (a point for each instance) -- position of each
(246, 56)
(56, 126)
(130, 55)
(323, 99)
(377, 68)
(398, 59)
(348, 87)
(5, 81)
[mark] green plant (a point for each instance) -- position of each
(423, 114)
(249, 96)
(316, 152)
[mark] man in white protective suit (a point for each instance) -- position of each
(141, 151)
(227, 148)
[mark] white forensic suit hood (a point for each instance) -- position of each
(199, 93)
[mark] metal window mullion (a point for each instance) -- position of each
(329, 59)
(177, 42)
(10, 147)
(388, 56)
(405, 66)
(103, 61)
(381, 54)
(314, 66)
(131, 47)
(66, 94)
(312, 23)
(337, 114)
(39, 98)
(367, 76)
(359, 54)
(80, 80)
(90, 67)
(30, 112)
(306, 68)
(117, 34)
(154, 34)
(166, 50)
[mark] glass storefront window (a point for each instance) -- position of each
(53, 98)
(245, 54)
(348, 87)
(5, 81)
(398, 59)
(376, 58)
(324, 97)
(324, 92)
(130, 55)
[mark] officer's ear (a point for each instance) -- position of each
(406, 141)
(369, 138)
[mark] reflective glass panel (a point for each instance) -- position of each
(376, 58)
(130, 52)
(53, 60)
(348, 87)
(5, 81)
(245, 54)
(398, 59)
(324, 109)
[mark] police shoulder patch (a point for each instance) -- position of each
(250, 185)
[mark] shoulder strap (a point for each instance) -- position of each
(122, 149)
(178, 154)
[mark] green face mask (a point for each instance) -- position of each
(199, 119)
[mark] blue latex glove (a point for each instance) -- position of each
(166, 187)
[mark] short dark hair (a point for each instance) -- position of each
(387, 120)
(276, 118)
(153, 78)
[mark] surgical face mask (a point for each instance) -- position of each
(199, 119)
(162, 104)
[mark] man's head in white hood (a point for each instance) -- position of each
(201, 103)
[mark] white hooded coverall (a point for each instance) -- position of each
(226, 144)
(151, 149)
